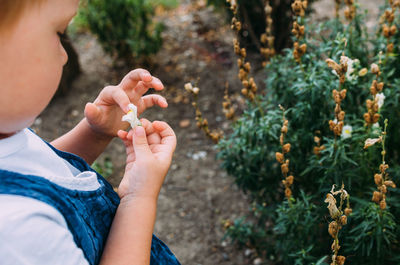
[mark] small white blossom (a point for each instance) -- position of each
(131, 116)
(346, 131)
(350, 70)
(380, 99)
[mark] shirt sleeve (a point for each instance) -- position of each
(33, 232)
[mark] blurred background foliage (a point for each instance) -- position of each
(126, 29)
(253, 18)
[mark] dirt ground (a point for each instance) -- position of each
(197, 195)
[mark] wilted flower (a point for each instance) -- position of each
(346, 131)
(370, 142)
(131, 116)
(380, 99)
(333, 210)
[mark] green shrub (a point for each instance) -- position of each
(300, 233)
(125, 28)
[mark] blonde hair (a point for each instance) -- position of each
(11, 11)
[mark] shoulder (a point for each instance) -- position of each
(33, 232)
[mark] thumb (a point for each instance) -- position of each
(139, 141)
(92, 112)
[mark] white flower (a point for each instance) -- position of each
(376, 128)
(380, 99)
(131, 116)
(346, 131)
(350, 67)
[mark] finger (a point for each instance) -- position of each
(151, 100)
(152, 136)
(156, 84)
(130, 152)
(122, 99)
(92, 113)
(132, 78)
(168, 137)
(140, 144)
(114, 94)
(122, 134)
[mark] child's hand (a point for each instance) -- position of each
(105, 113)
(149, 154)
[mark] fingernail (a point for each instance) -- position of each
(139, 131)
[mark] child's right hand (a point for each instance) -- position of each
(149, 151)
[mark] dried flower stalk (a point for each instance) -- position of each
(350, 11)
(267, 38)
(299, 9)
(372, 116)
(249, 85)
(280, 157)
(227, 106)
(381, 179)
(318, 148)
(202, 123)
(337, 7)
(389, 28)
(339, 220)
(338, 95)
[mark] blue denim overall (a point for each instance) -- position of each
(88, 214)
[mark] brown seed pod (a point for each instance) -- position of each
(382, 205)
(348, 211)
(341, 116)
(367, 118)
(288, 193)
(343, 220)
(375, 118)
(284, 169)
(340, 260)
(378, 179)
(343, 94)
(376, 196)
(284, 129)
(290, 180)
(390, 183)
(333, 228)
(279, 157)
(386, 31)
(393, 30)
(379, 87)
(390, 47)
(286, 148)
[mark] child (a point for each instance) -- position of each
(54, 209)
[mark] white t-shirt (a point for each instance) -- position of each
(33, 232)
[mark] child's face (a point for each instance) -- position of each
(32, 59)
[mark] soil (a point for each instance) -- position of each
(197, 196)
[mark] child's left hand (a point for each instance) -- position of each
(105, 113)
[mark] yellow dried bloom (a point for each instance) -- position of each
(363, 72)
